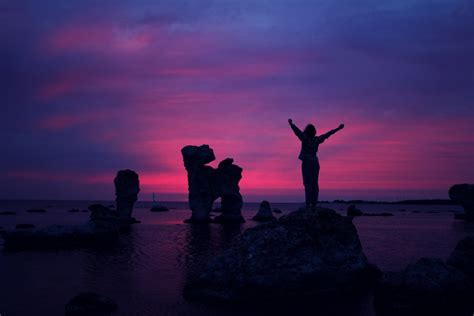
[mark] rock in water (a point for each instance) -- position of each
(90, 304)
(206, 184)
(428, 287)
(36, 210)
(462, 257)
(301, 254)
(353, 211)
(464, 195)
(264, 213)
(127, 187)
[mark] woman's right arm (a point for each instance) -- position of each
(296, 130)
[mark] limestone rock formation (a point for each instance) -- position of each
(300, 255)
(464, 195)
(206, 184)
(127, 187)
(264, 213)
(428, 287)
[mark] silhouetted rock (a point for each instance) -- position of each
(353, 211)
(25, 226)
(383, 214)
(300, 255)
(462, 257)
(127, 187)
(74, 210)
(206, 184)
(7, 213)
(428, 287)
(277, 211)
(264, 213)
(90, 304)
(464, 195)
(36, 210)
(159, 208)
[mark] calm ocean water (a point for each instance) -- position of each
(146, 270)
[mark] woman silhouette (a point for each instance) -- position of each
(310, 166)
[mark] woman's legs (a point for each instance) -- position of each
(314, 183)
(306, 169)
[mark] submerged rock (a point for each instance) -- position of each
(159, 208)
(74, 210)
(264, 213)
(25, 226)
(206, 184)
(462, 257)
(464, 195)
(7, 213)
(300, 255)
(90, 304)
(428, 287)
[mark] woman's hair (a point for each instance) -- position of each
(310, 130)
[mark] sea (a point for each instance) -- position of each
(146, 270)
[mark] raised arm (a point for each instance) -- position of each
(331, 132)
(296, 130)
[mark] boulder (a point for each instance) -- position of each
(427, 287)
(206, 184)
(300, 255)
(90, 304)
(353, 211)
(127, 186)
(462, 257)
(264, 213)
(464, 194)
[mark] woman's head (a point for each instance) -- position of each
(310, 130)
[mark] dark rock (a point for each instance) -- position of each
(90, 304)
(74, 210)
(206, 184)
(25, 226)
(159, 208)
(36, 210)
(85, 211)
(462, 257)
(352, 211)
(264, 213)
(300, 255)
(464, 195)
(277, 211)
(127, 186)
(217, 210)
(428, 287)
(7, 213)
(383, 214)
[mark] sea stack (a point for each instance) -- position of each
(464, 195)
(264, 213)
(206, 184)
(127, 187)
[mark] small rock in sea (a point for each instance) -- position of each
(36, 210)
(463, 194)
(353, 211)
(25, 226)
(383, 214)
(74, 210)
(402, 210)
(264, 213)
(85, 211)
(7, 213)
(277, 211)
(415, 212)
(427, 287)
(89, 303)
(159, 208)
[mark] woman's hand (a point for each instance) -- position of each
(341, 126)
(290, 121)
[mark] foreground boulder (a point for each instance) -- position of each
(428, 287)
(462, 257)
(264, 213)
(315, 254)
(90, 304)
(206, 184)
(353, 211)
(464, 194)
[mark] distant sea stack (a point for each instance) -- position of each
(206, 184)
(264, 213)
(127, 186)
(464, 194)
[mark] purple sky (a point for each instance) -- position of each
(91, 87)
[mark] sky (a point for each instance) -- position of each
(92, 87)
